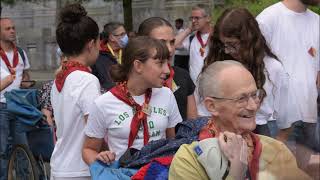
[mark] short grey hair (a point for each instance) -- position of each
(109, 28)
(207, 10)
(209, 80)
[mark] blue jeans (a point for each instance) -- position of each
(273, 127)
(8, 137)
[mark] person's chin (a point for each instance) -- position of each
(249, 124)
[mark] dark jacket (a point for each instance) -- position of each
(102, 67)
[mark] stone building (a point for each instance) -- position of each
(35, 22)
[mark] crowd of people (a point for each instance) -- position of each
(245, 86)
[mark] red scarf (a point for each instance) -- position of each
(67, 68)
(6, 60)
(103, 46)
(210, 131)
(168, 83)
(122, 93)
(203, 45)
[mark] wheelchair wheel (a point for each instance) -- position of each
(22, 165)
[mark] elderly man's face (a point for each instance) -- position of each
(237, 115)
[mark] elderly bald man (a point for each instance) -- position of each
(227, 148)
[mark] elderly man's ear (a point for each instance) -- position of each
(211, 106)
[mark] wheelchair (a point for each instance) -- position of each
(29, 161)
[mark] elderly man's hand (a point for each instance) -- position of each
(234, 148)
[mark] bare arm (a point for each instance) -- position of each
(91, 151)
(181, 36)
(25, 75)
(5, 82)
(192, 112)
(48, 115)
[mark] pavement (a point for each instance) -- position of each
(42, 75)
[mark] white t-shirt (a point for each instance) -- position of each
(112, 118)
(276, 87)
(70, 106)
(195, 66)
(291, 36)
(196, 60)
(3, 73)
(19, 71)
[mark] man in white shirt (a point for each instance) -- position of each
(181, 57)
(198, 47)
(13, 62)
(292, 32)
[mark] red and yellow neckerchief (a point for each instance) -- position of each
(4, 57)
(140, 112)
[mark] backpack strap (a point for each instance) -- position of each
(22, 55)
(190, 39)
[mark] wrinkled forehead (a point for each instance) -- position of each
(236, 81)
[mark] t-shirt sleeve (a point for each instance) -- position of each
(90, 92)
(96, 125)
(281, 103)
(27, 63)
(174, 115)
(265, 21)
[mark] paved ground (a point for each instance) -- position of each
(42, 75)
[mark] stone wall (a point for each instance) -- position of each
(35, 23)
(35, 26)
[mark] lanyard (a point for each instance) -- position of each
(203, 45)
(119, 58)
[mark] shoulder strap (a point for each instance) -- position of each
(190, 39)
(22, 55)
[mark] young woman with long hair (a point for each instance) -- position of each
(138, 109)
(179, 80)
(237, 36)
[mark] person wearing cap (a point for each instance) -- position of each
(227, 147)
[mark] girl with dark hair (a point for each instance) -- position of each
(138, 109)
(73, 91)
(179, 80)
(113, 39)
(237, 36)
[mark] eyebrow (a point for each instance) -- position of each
(244, 94)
